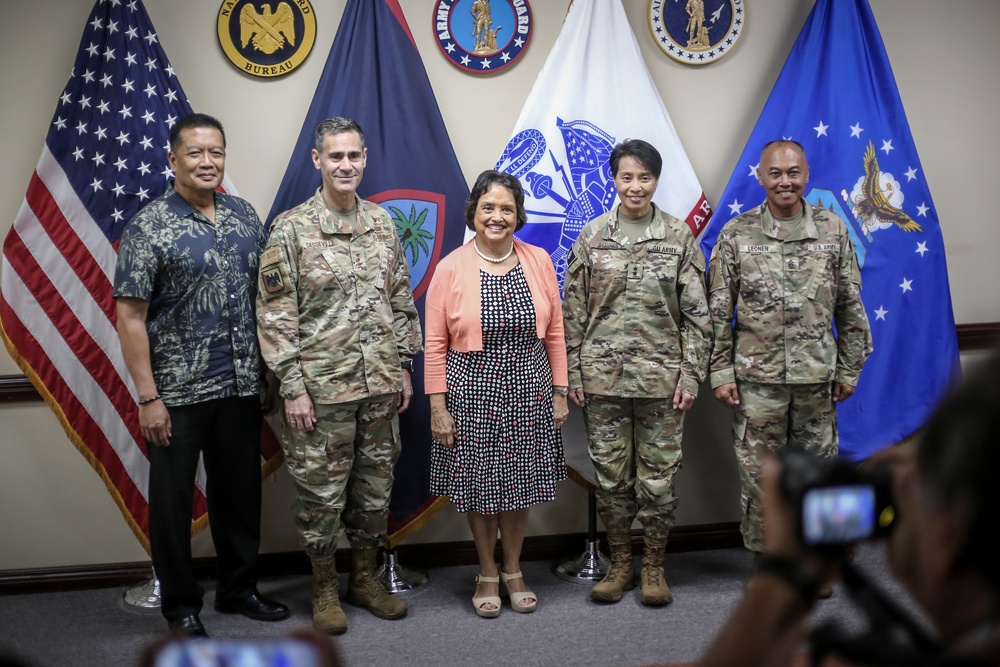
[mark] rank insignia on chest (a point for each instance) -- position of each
(634, 271)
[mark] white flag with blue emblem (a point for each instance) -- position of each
(581, 106)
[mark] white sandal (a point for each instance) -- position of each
(487, 599)
(517, 600)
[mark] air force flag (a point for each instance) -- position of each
(837, 96)
(580, 106)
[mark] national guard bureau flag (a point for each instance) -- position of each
(836, 95)
(375, 76)
(105, 156)
(593, 92)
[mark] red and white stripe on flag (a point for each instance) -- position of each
(104, 157)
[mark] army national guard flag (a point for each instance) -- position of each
(105, 156)
(837, 96)
(374, 75)
(594, 91)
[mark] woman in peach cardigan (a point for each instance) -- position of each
(495, 370)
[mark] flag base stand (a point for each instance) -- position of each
(144, 597)
(592, 565)
(394, 577)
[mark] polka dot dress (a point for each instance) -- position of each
(507, 456)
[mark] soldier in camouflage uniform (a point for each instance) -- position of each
(638, 335)
(338, 326)
(787, 269)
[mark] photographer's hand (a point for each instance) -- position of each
(769, 624)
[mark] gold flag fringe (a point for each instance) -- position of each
(75, 438)
(418, 522)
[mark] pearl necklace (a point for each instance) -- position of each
(495, 260)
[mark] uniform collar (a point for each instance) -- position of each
(329, 223)
(657, 229)
(807, 230)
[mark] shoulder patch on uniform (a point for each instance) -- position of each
(273, 281)
(270, 256)
(273, 273)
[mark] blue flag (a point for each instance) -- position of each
(836, 95)
(374, 75)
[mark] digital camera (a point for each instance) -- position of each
(836, 503)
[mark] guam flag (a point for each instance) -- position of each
(836, 95)
(374, 75)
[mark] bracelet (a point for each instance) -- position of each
(792, 572)
(562, 391)
(147, 401)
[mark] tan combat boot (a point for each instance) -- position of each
(654, 584)
(328, 617)
(620, 575)
(365, 590)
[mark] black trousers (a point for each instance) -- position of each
(226, 432)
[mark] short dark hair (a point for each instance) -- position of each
(782, 141)
(486, 180)
(643, 151)
(336, 125)
(190, 122)
(957, 461)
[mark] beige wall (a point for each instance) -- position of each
(55, 511)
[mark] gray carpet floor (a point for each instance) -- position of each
(96, 629)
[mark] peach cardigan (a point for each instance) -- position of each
(453, 311)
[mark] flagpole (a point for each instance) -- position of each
(144, 597)
(396, 578)
(592, 565)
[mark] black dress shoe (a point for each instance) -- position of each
(187, 626)
(254, 606)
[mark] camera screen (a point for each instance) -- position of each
(239, 653)
(838, 514)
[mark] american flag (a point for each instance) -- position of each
(105, 156)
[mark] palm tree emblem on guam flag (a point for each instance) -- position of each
(419, 219)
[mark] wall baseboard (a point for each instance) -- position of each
(290, 563)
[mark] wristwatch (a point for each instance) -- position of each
(407, 365)
(562, 391)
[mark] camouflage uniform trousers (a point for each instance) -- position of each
(769, 418)
(343, 472)
(635, 446)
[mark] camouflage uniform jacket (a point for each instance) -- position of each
(335, 313)
(200, 279)
(785, 293)
(636, 318)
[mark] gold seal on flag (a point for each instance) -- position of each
(267, 38)
(696, 32)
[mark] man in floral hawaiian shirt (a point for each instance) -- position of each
(186, 285)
